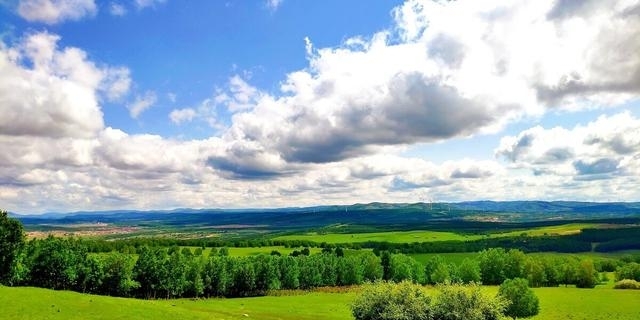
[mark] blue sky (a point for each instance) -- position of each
(150, 104)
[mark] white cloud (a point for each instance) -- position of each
(142, 103)
(240, 96)
(273, 5)
(178, 116)
(117, 82)
(56, 97)
(56, 11)
(447, 70)
(141, 4)
(117, 9)
(602, 149)
(333, 131)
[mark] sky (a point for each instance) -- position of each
(162, 104)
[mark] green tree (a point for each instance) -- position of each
(372, 267)
(469, 271)
(629, 271)
(290, 272)
(430, 267)
(11, 242)
(441, 274)
(521, 300)
(118, 279)
(534, 272)
(514, 264)
(57, 263)
(151, 271)
(244, 278)
(403, 267)
(195, 282)
(492, 265)
(586, 275)
(92, 275)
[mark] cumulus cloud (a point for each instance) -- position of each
(333, 131)
(603, 148)
(55, 97)
(446, 70)
(179, 116)
(141, 4)
(142, 103)
(273, 5)
(56, 11)
(117, 9)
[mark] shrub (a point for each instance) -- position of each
(408, 301)
(521, 301)
(465, 302)
(627, 284)
(388, 301)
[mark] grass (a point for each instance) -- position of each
(391, 236)
(428, 236)
(588, 304)
(457, 257)
(252, 251)
(34, 303)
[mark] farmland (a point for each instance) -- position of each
(428, 236)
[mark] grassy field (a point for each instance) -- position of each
(391, 236)
(252, 251)
(428, 236)
(33, 303)
(457, 257)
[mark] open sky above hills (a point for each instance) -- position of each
(157, 104)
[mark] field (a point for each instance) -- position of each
(252, 251)
(427, 236)
(457, 257)
(33, 303)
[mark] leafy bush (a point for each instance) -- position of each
(521, 301)
(465, 302)
(627, 284)
(409, 301)
(389, 301)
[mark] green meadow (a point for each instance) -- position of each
(429, 236)
(602, 303)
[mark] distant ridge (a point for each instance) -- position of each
(375, 213)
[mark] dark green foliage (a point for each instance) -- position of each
(57, 263)
(11, 242)
(290, 273)
(403, 267)
(117, 274)
(586, 275)
(151, 271)
(469, 271)
(493, 265)
(372, 267)
(629, 271)
(521, 301)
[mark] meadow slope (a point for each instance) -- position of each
(33, 303)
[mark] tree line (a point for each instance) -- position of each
(600, 240)
(161, 272)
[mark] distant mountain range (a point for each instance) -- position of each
(376, 213)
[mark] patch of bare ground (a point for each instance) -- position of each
(84, 230)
